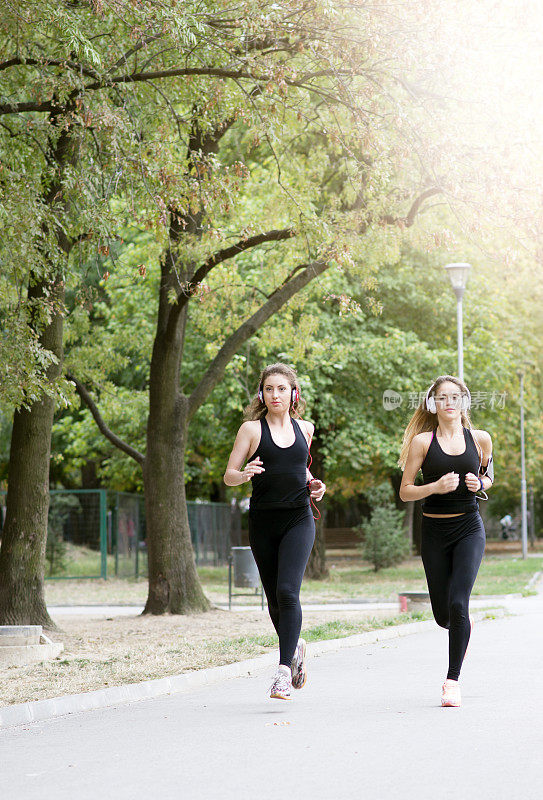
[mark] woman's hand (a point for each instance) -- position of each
(447, 483)
(472, 482)
(316, 489)
(253, 468)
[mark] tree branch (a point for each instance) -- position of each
(189, 288)
(213, 72)
(138, 77)
(414, 210)
(46, 62)
(17, 108)
(409, 218)
(124, 58)
(230, 252)
(215, 371)
(113, 438)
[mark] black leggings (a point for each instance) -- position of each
(451, 550)
(281, 541)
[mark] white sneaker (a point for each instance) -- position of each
(281, 685)
(298, 667)
(450, 694)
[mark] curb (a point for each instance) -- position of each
(534, 581)
(42, 710)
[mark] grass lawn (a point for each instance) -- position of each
(497, 575)
(354, 580)
(83, 562)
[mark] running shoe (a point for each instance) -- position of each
(450, 694)
(298, 667)
(281, 686)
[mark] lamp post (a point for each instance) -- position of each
(458, 274)
(523, 503)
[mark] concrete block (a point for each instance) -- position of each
(19, 635)
(18, 655)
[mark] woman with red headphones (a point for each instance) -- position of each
(456, 463)
(273, 443)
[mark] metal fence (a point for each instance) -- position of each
(214, 529)
(93, 533)
(76, 533)
(126, 534)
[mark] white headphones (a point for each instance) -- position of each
(465, 403)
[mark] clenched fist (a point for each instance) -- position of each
(447, 483)
(472, 482)
(317, 489)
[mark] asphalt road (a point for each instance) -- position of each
(367, 724)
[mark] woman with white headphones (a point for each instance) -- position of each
(456, 463)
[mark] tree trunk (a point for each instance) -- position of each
(174, 585)
(316, 566)
(24, 538)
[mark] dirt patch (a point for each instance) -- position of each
(102, 652)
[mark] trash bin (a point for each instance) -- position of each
(242, 563)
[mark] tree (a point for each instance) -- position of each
(21, 561)
(384, 542)
(50, 207)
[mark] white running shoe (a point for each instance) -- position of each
(281, 685)
(450, 694)
(298, 666)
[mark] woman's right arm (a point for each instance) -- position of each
(234, 475)
(415, 457)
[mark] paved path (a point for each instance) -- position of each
(367, 725)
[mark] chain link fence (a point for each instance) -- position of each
(126, 534)
(76, 533)
(214, 529)
(95, 533)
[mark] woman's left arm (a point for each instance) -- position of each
(484, 479)
(486, 472)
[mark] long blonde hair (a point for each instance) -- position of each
(423, 420)
(257, 408)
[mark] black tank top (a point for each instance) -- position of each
(284, 482)
(437, 463)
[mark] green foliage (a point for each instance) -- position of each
(23, 361)
(385, 543)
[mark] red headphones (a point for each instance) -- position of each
(294, 395)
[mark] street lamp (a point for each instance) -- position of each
(458, 274)
(523, 503)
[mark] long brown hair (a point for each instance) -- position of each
(257, 408)
(423, 420)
